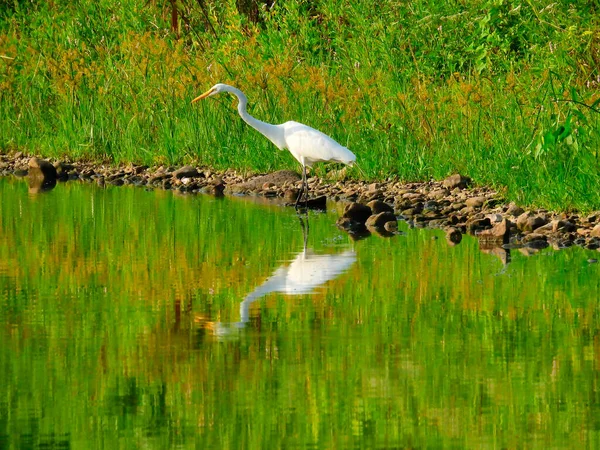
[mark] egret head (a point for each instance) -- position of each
(216, 89)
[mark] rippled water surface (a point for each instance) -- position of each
(136, 319)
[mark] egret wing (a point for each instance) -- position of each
(314, 146)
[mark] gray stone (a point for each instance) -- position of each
(453, 236)
(593, 243)
(278, 178)
(475, 202)
(63, 169)
(377, 206)
(500, 231)
(529, 221)
(379, 220)
(456, 181)
(476, 225)
(216, 187)
(438, 194)
(290, 195)
(357, 212)
(562, 226)
(41, 168)
(514, 210)
(531, 237)
(186, 172)
(391, 226)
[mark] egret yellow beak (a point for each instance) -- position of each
(206, 94)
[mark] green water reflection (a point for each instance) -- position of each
(148, 319)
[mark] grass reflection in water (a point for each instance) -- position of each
(111, 299)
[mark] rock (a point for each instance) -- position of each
(476, 225)
(431, 206)
(278, 178)
(538, 244)
(438, 194)
(216, 187)
(41, 168)
(290, 195)
(584, 231)
(456, 181)
(454, 219)
(500, 231)
(593, 217)
(593, 243)
(495, 218)
(595, 231)
(413, 197)
(319, 203)
(475, 202)
(357, 212)
(63, 169)
(529, 221)
(531, 237)
(377, 206)
(453, 236)
(562, 226)
(139, 169)
(391, 226)
(370, 196)
(157, 177)
(186, 172)
(379, 220)
(544, 229)
(373, 187)
(457, 206)
(514, 210)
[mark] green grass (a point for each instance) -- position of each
(505, 92)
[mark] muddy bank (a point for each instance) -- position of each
(453, 204)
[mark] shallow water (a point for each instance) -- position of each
(148, 319)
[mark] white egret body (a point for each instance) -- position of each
(305, 143)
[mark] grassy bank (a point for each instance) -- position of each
(505, 92)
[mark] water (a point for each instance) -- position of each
(135, 319)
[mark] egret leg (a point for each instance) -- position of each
(303, 189)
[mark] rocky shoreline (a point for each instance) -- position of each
(452, 205)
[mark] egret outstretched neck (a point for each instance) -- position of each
(272, 132)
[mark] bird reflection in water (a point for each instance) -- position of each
(306, 272)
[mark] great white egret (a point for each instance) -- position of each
(305, 143)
